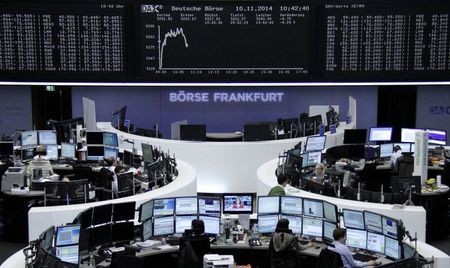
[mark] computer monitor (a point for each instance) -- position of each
(124, 211)
(147, 152)
(257, 132)
(312, 158)
(6, 148)
(267, 223)
(328, 229)
(84, 218)
(375, 242)
(186, 205)
(401, 184)
(409, 134)
(380, 134)
(313, 208)
(353, 218)
(392, 248)
(193, 132)
(356, 238)
(102, 214)
(163, 226)
(212, 224)
(355, 136)
(47, 137)
(312, 227)
(294, 158)
(268, 204)
(315, 143)
(52, 151)
(146, 211)
(295, 223)
(372, 222)
(291, 205)
(67, 235)
(47, 238)
(29, 138)
(100, 235)
(386, 150)
(330, 212)
(95, 152)
(312, 123)
(128, 158)
(94, 138)
(405, 146)
(183, 222)
(238, 203)
(147, 230)
(437, 136)
(69, 254)
(390, 227)
(122, 232)
(111, 152)
(67, 150)
(209, 206)
(110, 139)
(28, 153)
(163, 207)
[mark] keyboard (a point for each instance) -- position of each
(364, 257)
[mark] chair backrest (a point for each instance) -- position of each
(126, 259)
(200, 246)
(405, 165)
(77, 191)
(329, 259)
(55, 191)
(125, 182)
(105, 178)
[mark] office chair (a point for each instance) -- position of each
(329, 259)
(77, 192)
(192, 249)
(126, 259)
(125, 184)
(405, 165)
(104, 184)
(302, 118)
(369, 176)
(55, 193)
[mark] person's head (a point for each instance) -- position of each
(119, 169)
(397, 148)
(282, 225)
(110, 161)
(280, 122)
(41, 150)
(283, 179)
(339, 234)
(320, 169)
(198, 226)
(65, 179)
(237, 200)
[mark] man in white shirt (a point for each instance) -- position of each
(397, 153)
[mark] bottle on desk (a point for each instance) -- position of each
(91, 262)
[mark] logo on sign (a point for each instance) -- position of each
(439, 109)
(150, 8)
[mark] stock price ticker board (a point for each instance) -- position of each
(140, 41)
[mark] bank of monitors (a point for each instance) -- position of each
(238, 203)
(268, 204)
(315, 143)
(380, 134)
(355, 136)
(164, 207)
(66, 243)
(29, 138)
(123, 211)
(147, 152)
(183, 222)
(267, 223)
(353, 219)
(330, 212)
(110, 139)
(356, 238)
(186, 205)
(437, 136)
(313, 208)
(291, 205)
(163, 226)
(67, 150)
(94, 138)
(6, 148)
(47, 137)
(212, 224)
(312, 227)
(295, 223)
(209, 206)
(69, 254)
(409, 134)
(146, 211)
(372, 222)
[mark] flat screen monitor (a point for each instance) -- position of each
(110, 139)
(267, 223)
(84, 218)
(328, 229)
(6, 148)
(312, 227)
(356, 238)
(209, 206)
(330, 212)
(111, 152)
(128, 158)
(68, 254)
(102, 214)
(94, 138)
(47, 137)
(257, 132)
(28, 153)
(122, 232)
(409, 134)
(380, 134)
(390, 226)
(405, 146)
(291, 205)
(67, 235)
(147, 230)
(147, 152)
(95, 153)
(193, 132)
(47, 238)
(353, 218)
(67, 150)
(355, 136)
(312, 158)
(401, 184)
(124, 211)
(268, 204)
(163, 207)
(212, 224)
(294, 158)
(183, 222)
(392, 248)
(436, 136)
(375, 242)
(100, 235)
(316, 143)
(295, 223)
(146, 211)
(238, 203)
(386, 150)
(29, 138)
(372, 222)
(163, 226)
(313, 208)
(186, 205)
(52, 151)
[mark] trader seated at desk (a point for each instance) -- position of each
(199, 244)
(396, 154)
(319, 175)
(40, 166)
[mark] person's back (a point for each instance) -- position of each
(193, 245)
(279, 190)
(283, 247)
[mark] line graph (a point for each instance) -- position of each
(170, 34)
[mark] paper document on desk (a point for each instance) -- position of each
(166, 247)
(147, 243)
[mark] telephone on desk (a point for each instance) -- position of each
(254, 242)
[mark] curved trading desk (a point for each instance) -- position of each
(40, 218)
(222, 166)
